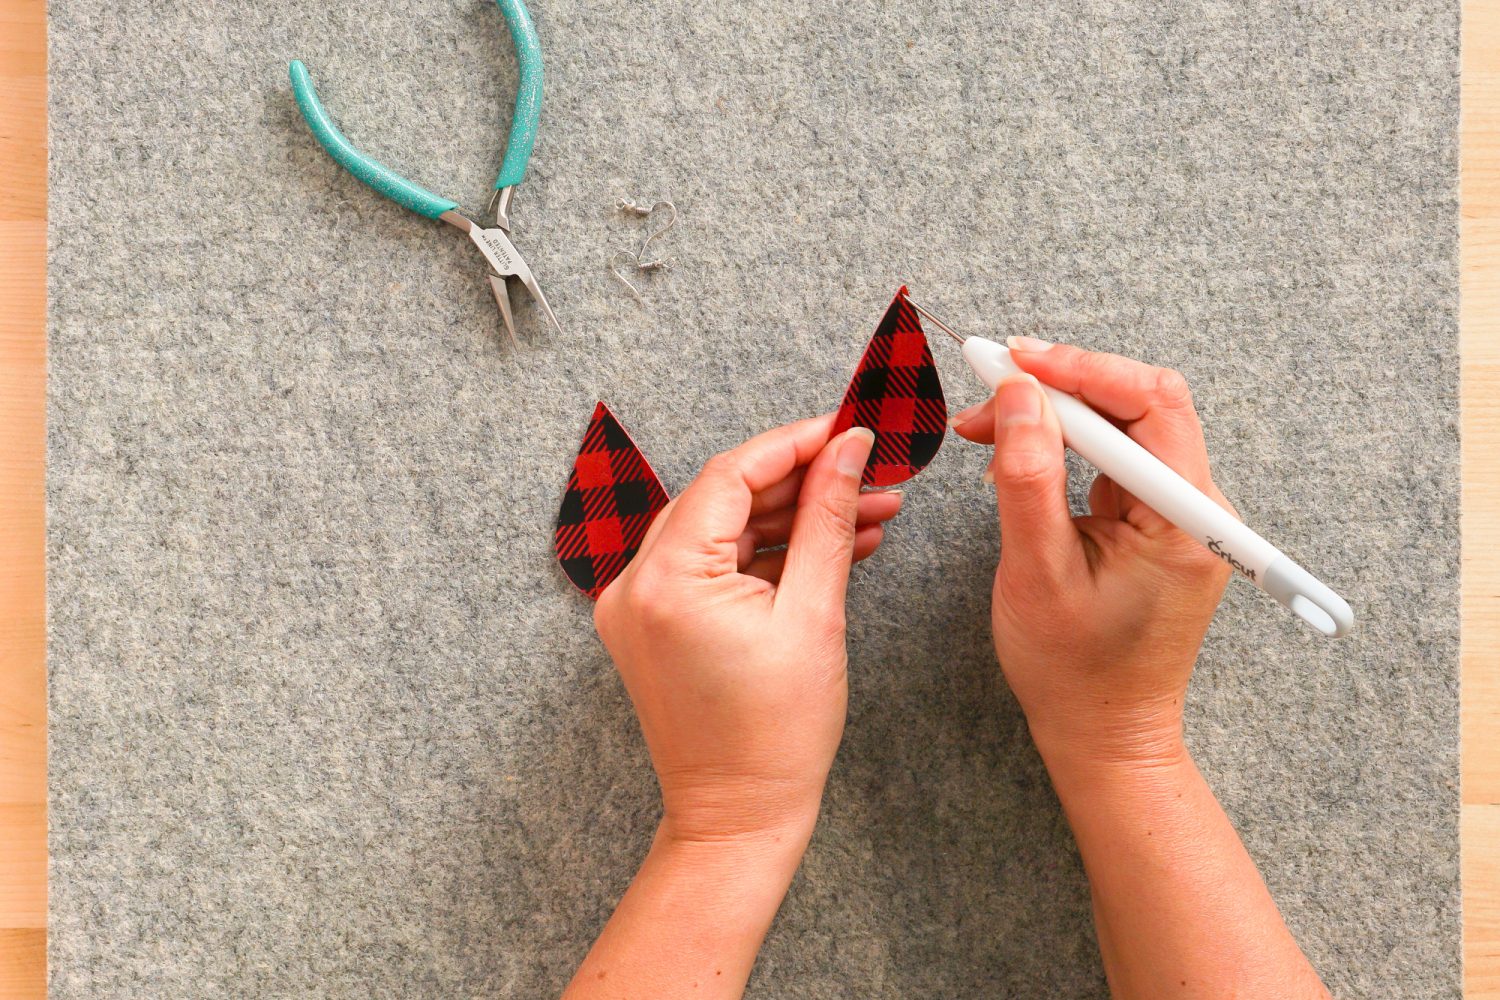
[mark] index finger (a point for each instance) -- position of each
(710, 515)
(1155, 404)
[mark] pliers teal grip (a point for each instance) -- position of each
(505, 262)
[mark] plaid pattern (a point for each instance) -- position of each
(896, 393)
(611, 500)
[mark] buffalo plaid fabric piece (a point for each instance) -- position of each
(896, 393)
(612, 498)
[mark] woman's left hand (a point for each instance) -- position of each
(732, 649)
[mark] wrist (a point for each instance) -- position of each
(757, 863)
(1113, 738)
(743, 811)
(1142, 767)
(764, 840)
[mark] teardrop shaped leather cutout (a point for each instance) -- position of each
(612, 497)
(897, 394)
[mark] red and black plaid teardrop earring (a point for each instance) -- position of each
(896, 393)
(612, 497)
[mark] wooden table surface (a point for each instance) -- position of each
(1479, 325)
(23, 729)
(23, 312)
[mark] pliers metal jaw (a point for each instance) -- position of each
(506, 264)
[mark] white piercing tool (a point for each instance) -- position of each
(1148, 478)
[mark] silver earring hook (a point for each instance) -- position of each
(626, 205)
(671, 221)
(614, 269)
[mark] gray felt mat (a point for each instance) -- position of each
(327, 720)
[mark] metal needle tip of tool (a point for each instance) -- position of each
(941, 323)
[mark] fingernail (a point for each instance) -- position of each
(964, 416)
(854, 451)
(1027, 344)
(1020, 401)
(989, 475)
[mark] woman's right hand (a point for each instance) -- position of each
(1097, 619)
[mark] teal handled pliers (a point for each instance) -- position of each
(505, 262)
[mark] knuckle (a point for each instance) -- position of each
(1085, 368)
(1211, 567)
(1172, 388)
(1192, 560)
(1035, 583)
(1025, 469)
(719, 466)
(1094, 366)
(646, 600)
(839, 514)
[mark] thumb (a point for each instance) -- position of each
(821, 547)
(1031, 481)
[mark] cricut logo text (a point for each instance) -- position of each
(1217, 548)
